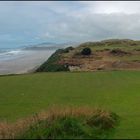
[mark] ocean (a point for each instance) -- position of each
(12, 53)
(9, 54)
(22, 60)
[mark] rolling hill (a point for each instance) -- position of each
(113, 54)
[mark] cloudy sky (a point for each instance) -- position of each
(23, 23)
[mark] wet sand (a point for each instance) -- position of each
(25, 63)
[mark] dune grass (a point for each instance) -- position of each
(63, 123)
(71, 125)
(118, 91)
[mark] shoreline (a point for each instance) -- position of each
(25, 63)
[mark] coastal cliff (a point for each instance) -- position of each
(113, 54)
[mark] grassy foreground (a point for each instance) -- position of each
(118, 91)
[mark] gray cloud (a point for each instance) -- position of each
(68, 21)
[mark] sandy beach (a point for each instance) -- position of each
(25, 62)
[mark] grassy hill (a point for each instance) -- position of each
(112, 54)
(117, 91)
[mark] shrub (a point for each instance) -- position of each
(66, 50)
(118, 52)
(86, 51)
(103, 120)
(73, 124)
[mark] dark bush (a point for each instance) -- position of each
(86, 51)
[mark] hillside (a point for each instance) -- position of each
(113, 54)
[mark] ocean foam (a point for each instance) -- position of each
(9, 54)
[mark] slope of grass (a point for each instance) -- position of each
(118, 91)
(51, 65)
(124, 44)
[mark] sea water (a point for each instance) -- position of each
(9, 54)
(20, 60)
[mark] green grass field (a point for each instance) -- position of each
(118, 91)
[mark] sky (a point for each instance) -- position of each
(32, 22)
